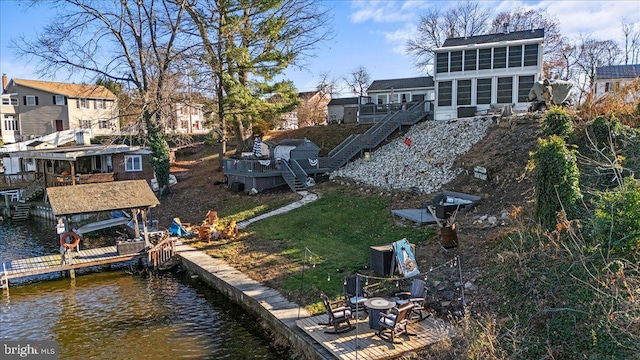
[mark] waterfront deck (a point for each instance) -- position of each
(53, 263)
(362, 343)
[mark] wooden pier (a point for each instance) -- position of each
(363, 343)
(53, 263)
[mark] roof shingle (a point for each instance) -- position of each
(70, 90)
(397, 84)
(618, 72)
(492, 38)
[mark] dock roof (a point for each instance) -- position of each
(90, 198)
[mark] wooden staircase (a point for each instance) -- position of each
(34, 189)
(21, 212)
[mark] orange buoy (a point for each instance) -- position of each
(76, 239)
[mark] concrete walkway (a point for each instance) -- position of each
(265, 303)
(307, 197)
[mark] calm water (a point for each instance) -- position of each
(122, 315)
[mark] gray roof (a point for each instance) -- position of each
(298, 142)
(399, 84)
(492, 38)
(89, 198)
(618, 72)
(344, 101)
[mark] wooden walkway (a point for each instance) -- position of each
(52, 263)
(367, 345)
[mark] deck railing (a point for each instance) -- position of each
(161, 253)
(15, 181)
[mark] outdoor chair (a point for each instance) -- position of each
(354, 294)
(395, 322)
(338, 314)
(415, 296)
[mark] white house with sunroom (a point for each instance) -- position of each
(473, 73)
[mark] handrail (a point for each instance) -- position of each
(164, 251)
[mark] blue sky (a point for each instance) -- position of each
(371, 34)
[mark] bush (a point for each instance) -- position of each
(557, 122)
(616, 220)
(603, 132)
(556, 181)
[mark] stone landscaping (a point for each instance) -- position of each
(421, 160)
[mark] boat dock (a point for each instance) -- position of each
(53, 263)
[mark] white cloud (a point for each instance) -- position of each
(379, 12)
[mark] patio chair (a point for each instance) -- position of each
(395, 322)
(354, 294)
(416, 296)
(338, 314)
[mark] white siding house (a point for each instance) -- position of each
(471, 73)
(612, 77)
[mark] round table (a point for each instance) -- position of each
(377, 305)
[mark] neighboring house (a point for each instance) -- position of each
(342, 110)
(472, 73)
(395, 94)
(188, 118)
(612, 77)
(71, 165)
(34, 108)
(311, 111)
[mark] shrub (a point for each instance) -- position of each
(557, 122)
(603, 132)
(556, 181)
(616, 220)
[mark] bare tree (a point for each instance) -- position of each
(591, 53)
(466, 18)
(555, 44)
(127, 41)
(358, 81)
(631, 42)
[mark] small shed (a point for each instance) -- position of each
(133, 195)
(296, 149)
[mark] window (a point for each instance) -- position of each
(59, 100)
(83, 104)
(14, 101)
(505, 90)
(456, 61)
(483, 91)
(531, 55)
(606, 87)
(470, 60)
(6, 101)
(103, 124)
(195, 111)
(515, 56)
(464, 92)
(484, 59)
(10, 123)
(525, 83)
(31, 100)
(99, 104)
(445, 90)
(500, 58)
(184, 124)
(132, 163)
(85, 124)
(442, 62)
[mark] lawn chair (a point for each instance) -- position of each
(338, 314)
(354, 294)
(415, 296)
(395, 322)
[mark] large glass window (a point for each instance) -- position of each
(442, 62)
(456, 61)
(515, 56)
(531, 55)
(132, 163)
(470, 60)
(445, 90)
(483, 91)
(505, 90)
(500, 58)
(464, 92)
(525, 83)
(484, 59)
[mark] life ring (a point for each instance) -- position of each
(76, 240)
